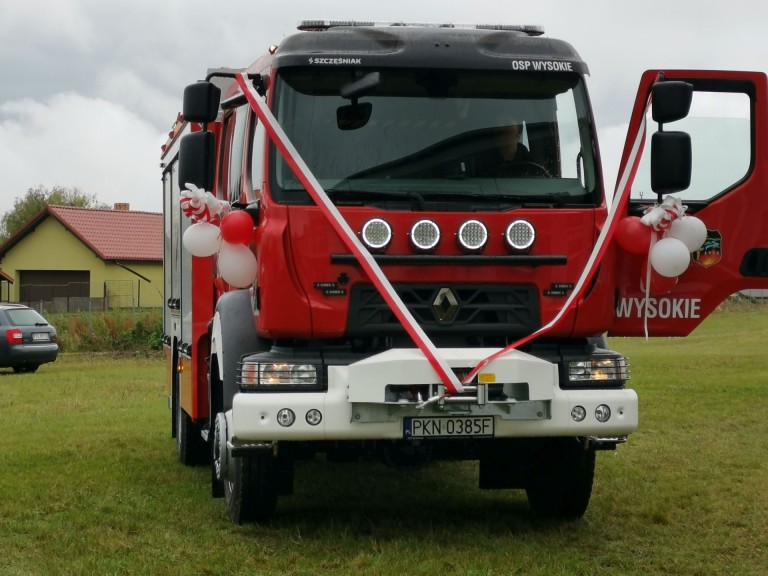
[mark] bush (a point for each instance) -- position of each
(139, 331)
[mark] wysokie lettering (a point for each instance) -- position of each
(666, 308)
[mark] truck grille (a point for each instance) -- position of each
(445, 309)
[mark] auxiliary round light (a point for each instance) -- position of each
(376, 234)
(578, 413)
(314, 417)
(603, 413)
(286, 417)
(472, 235)
(425, 235)
(520, 235)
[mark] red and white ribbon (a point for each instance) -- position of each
(382, 284)
(201, 206)
(621, 195)
(347, 235)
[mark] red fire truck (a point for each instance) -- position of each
(404, 249)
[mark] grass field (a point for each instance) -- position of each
(89, 484)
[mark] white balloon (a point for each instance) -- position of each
(690, 230)
(202, 239)
(669, 257)
(237, 265)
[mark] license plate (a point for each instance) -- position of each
(448, 427)
(40, 337)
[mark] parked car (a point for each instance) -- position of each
(26, 338)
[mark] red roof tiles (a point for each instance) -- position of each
(115, 234)
(111, 234)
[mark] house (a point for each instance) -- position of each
(68, 258)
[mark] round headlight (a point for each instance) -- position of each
(376, 234)
(425, 235)
(314, 417)
(472, 235)
(286, 417)
(520, 235)
(578, 413)
(603, 413)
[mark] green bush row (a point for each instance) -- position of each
(136, 330)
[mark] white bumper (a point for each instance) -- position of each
(358, 404)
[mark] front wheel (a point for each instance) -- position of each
(560, 485)
(251, 488)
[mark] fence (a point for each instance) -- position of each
(118, 295)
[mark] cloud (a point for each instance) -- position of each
(90, 88)
(80, 142)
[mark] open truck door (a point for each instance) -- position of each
(728, 193)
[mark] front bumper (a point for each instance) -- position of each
(362, 401)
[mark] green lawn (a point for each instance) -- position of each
(89, 484)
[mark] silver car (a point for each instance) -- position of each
(26, 338)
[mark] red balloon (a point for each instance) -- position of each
(237, 227)
(634, 236)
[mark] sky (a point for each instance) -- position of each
(90, 88)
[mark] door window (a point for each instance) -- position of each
(721, 143)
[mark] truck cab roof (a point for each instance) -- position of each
(423, 45)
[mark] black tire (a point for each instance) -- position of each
(252, 488)
(239, 338)
(27, 368)
(561, 480)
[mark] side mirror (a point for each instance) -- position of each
(353, 116)
(201, 102)
(196, 160)
(671, 156)
(671, 100)
(671, 162)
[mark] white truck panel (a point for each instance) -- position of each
(363, 383)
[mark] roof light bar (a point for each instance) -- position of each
(321, 25)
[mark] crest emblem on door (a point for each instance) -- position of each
(711, 252)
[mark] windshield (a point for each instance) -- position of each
(437, 136)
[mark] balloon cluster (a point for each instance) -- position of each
(668, 236)
(217, 230)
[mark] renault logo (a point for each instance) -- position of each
(445, 305)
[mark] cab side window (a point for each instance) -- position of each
(258, 145)
(236, 153)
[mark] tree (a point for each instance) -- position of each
(38, 198)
